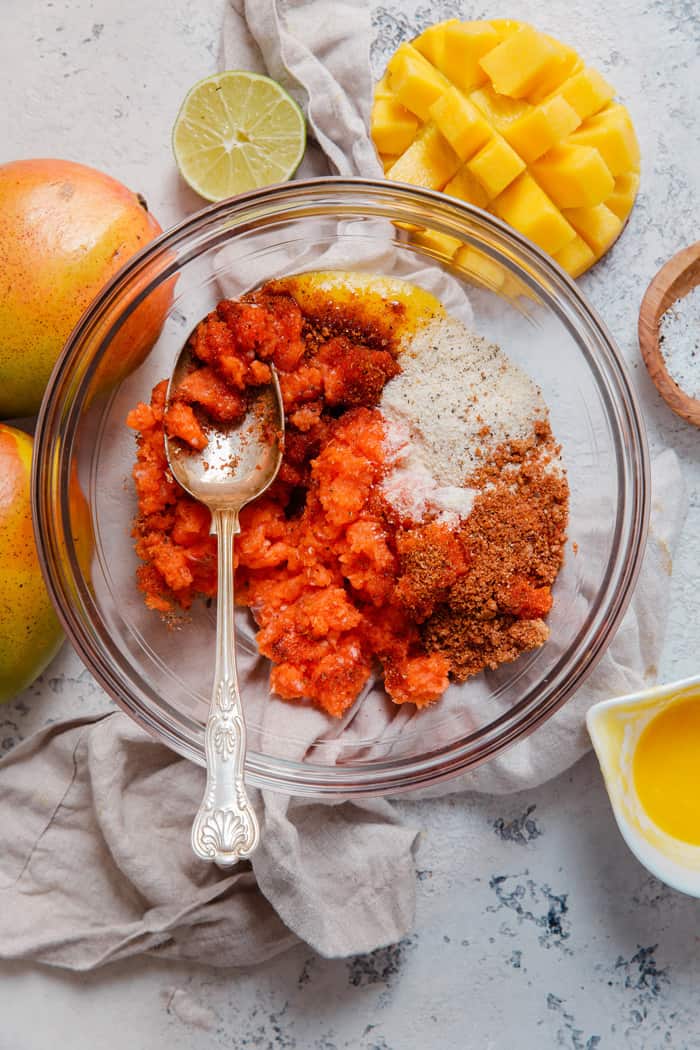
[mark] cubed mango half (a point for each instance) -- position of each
(511, 120)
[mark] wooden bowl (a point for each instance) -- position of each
(673, 281)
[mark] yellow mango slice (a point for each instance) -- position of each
(574, 176)
(541, 127)
(480, 268)
(439, 243)
(460, 122)
(575, 257)
(527, 207)
(464, 45)
(393, 126)
(414, 81)
(564, 63)
(612, 134)
(515, 66)
(512, 121)
(622, 197)
(382, 89)
(598, 226)
(467, 187)
(505, 26)
(429, 161)
(495, 166)
(499, 110)
(431, 43)
(586, 92)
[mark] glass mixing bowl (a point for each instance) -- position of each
(84, 498)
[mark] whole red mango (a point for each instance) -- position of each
(65, 230)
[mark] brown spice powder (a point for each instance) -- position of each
(515, 539)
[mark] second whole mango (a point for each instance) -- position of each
(30, 633)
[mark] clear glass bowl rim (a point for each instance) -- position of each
(336, 197)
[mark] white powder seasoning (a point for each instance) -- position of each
(679, 340)
(456, 396)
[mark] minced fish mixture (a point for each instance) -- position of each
(419, 518)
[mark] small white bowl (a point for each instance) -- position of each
(615, 727)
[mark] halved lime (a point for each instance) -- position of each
(237, 131)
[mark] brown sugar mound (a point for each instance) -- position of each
(515, 536)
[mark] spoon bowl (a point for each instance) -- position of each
(242, 459)
(239, 462)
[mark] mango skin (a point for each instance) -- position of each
(30, 633)
(65, 230)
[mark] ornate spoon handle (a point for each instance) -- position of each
(225, 829)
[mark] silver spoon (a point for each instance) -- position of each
(238, 464)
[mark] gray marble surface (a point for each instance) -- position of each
(540, 930)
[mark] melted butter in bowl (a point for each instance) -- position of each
(648, 746)
(666, 769)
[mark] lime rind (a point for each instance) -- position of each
(237, 131)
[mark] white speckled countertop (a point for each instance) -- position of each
(554, 936)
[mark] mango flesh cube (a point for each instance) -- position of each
(415, 82)
(564, 63)
(598, 226)
(495, 166)
(460, 122)
(429, 161)
(431, 42)
(464, 45)
(518, 62)
(382, 89)
(439, 243)
(505, 27)
(482, 269)
(511, 121)
(612, 134)
(499, 110)
(575, 257)
(574, 176)
(586, 92)
(393, 126)
(622, 197)
(467, 187)
(541, 128)
(527, 207)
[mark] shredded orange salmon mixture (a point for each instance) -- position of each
(335, 580)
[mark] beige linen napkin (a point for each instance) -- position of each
(95, 862)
